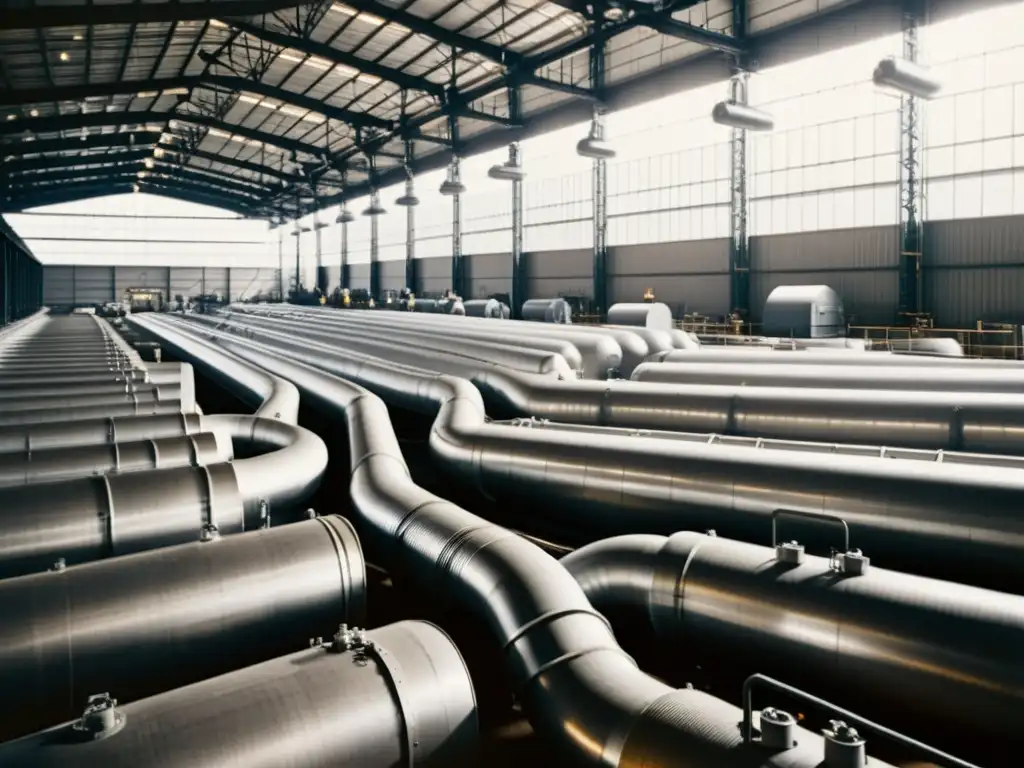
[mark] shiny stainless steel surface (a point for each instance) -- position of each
(657, 341)
(454, 349)
(43, 437)
(768, 356)
(321, 707)
(852, 376)
(579, 689)
(555, 311)
(655, 314)
(882, 637)
(145, 394)
(98, 517)
(853, 345)
(47, 466)
(932, 519)
(128, 408)
(156, 373)
(151, 622)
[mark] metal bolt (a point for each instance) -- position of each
(843, 732)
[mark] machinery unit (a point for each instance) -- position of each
(803, 312)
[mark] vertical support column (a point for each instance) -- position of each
(411, 279)
(599, 267)
(297, 286)
(343, 266)
(202, 285)
(739, 246)
(321, 270)
(518, 283)
(227, 286)
(168, 298)
(280, 263)
(113, 284)
(374, 248)
(4, 285)
(459, 286)
(911, 225)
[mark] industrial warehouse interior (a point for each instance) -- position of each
(609, 383)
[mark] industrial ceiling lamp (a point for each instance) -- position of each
(409, 199)
(594, 145)
(511, 169)
(345, 216)
(906, 77)
(374, 208)
(452, 185)
(736, 115)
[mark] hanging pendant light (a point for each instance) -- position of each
(511, 169)
(452, 185)
(594, 146)
(735, 115)
(374, 208)
(906, 77)
(345, 216)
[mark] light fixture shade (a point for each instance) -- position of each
(449, 187)
(320, 225)
(345, 216)
(374, 209)
(408, 201)
(736, 115)
(506, 172)
(595, 148)
(906, 77)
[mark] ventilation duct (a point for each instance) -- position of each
(734, 115)
(906, 77)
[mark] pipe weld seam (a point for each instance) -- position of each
(383, 454)
(551, 616)
(573, 655)
(345, 569)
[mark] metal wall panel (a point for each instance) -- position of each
(359, 275)
(94, 285)
(974, 270)
(186, 281)
(853, 249)
(139, 277)
(392, 275)
(58, 285)
(488, 273)
(434, 274)
(248, 282)
(692, 276)
(559, 273)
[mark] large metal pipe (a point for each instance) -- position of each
(152, 622)
(816, 357)
(147, 394)
(432, 347)
(973, 422)
(101, 431)
(128, 408)
(931, 519)
(655, 315)
(398, 695)
(156, 373)
(601, 353)
(48, 466)
(569, 352)
(942, 379)
(579, 689)
(852, 345)
(895, 640)
(547, 311)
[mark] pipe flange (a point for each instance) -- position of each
(100, 720)
(778, 729)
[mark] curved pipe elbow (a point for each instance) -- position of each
(617, 572)
(286, 475)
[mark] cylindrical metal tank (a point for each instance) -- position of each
(547, 311)
(938, 378)
(151, 622)
(394, 696)
(803, 312)
(48, 466)
(869, 636)
(655, 315)
(97, 517)
(490, 308)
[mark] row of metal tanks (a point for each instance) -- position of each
(106, 598)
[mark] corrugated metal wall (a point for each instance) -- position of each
(488, 273)
(359, 276)
(98, 285)
(974, 270)
(860, 264)
(434, 274)
(689, 277)
(559, 273)
(139, 277)
(93, 285)
(58, 285)
(246, 283)
(392, 275)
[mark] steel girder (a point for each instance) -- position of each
(19, 167)
(225, 82)
(136, 13)
(107, 140)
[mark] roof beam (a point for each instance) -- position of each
(332, 54)
(64, 194)
(43, 146)
(434, 30)
(136, 13)
(553, 85)
(666, 25)
(97, 119)
(65, 161)
(27, 96)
